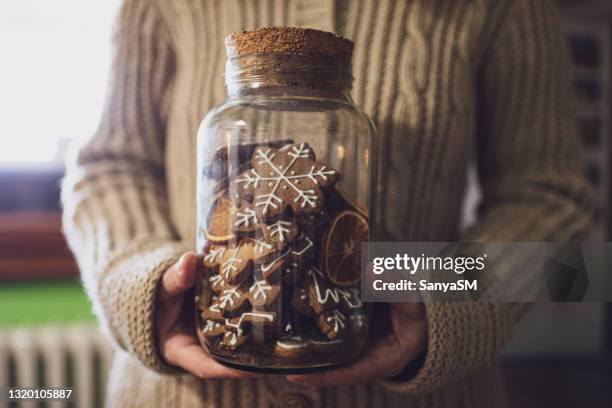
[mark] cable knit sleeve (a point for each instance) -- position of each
(115, 205)
(531, 175)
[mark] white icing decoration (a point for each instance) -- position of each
(210, 326)
(238, 326)
(360, 319)
(288, 327)
(259, 289)
(229, 297)
(215, 281)
(214, 255)
(245, 218)
(271, 200)
(337, 318)
(281, 229)
(260, 245)
(215, 308)
(329, 293)
(233, 338)
(292, 343)
(309, 244)
(267, 267)
(351, 297)
(231, 265)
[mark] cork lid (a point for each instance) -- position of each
(288, 40)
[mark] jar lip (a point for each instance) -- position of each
(313, 57)
(291, 70)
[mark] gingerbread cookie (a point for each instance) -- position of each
(228, 161)
(246, 320)
(218, 229)
(314, 222)
(262, 294)
(292, 347)
(322, 294)
(232, 340)
(233, 301)
(292, 273)
(302, 249)
(280, 233)
(300, 302)
(213, 255)
(213, 312)
(283, 178)
(216, 284)
(268, 269)
(244, 219)
(236, 262)
(213, 329)
(332, 323)
(351, 299)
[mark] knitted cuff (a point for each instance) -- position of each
(128, 290)
(462, 337)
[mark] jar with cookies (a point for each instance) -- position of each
(285, 182)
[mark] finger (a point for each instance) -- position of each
(190, 356)
(180, 277)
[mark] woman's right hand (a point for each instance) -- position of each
(174, 328)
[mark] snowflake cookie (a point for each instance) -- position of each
(283, 178)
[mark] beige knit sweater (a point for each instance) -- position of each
(441, 80)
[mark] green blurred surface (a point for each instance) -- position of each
(32, 303)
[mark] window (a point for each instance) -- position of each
(55, 61)
(53, 75)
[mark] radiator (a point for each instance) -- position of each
(76, 357)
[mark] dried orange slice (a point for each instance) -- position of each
(218, 228)
(342, 245)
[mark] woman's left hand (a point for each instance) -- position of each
(398, 335)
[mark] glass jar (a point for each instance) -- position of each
(284, 187)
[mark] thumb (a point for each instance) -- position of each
(180, 277)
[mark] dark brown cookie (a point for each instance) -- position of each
(230, 160)
(322, 294)
(218, 228)
(232, 340)
(213, 329)
(313, 223)
(262, 294)
(283, 178)
(280, 233)
(351, 299)
(233, 301)
(247, 320)
(213, 312)
(300, 302)
(216, 284)
(292, 347)
(213, 255)
(244, 219)
(302, 249)
(236, 262)
(332, 323)
(269, 269)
